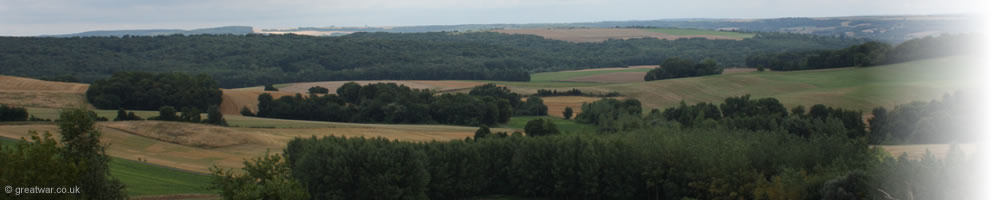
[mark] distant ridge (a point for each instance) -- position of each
(235, 30)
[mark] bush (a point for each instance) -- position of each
(266, 177)
(167, 113)
(270, 87)
(318, 90)
(540, 127)
(246, 112)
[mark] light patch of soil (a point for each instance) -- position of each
(917, 151)
(603, 34)
(188, 134)
(616, 77)
(233, 100)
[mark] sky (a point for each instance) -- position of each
(48, 17)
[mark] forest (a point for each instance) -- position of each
(864, 55)
(391, 103)
(252, 60)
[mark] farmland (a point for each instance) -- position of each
(603, 34)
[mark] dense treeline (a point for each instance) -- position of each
(12, 113)
(663, 163)
(147, 91)
(77, 162)
(249, 60)
(737, 113)
(392, 103)
(188, 114)
(680, 68)
(867, 54)
(949, 120)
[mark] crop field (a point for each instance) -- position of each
(195, 147)
(603, 34)
(19, 91)
(687, 32)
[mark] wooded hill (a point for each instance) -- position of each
(249, 60)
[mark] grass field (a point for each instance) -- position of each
(565, 126)
(685, 32)
(564, 75)
(143, 179)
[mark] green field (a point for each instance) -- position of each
(683, 32)
(853, 88)
(565, 126)
(558, 76)
(143, 179)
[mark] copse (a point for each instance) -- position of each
(13, 113)
(680, 68)
(318, 90)
(147, 91)
(388, 103)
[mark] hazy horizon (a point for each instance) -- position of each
(32, 18)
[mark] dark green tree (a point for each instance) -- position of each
(82, 142)
(215, 116)
(318, 90)
(270, 87)
(190, 114)
(266, 177)
(246, 112)
(482, 132)
(568, 112)
(540, 127)
(12, 113)
(167, 113)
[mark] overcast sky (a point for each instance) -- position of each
(44, 17)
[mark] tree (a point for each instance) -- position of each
(82, 143)
(36, 161)
(482, 132)
(125, 116)
(535, 106)
(568, 112)
(318, 90)
(246, 112)
(680, 68)
(270, 87)
(540, 127)
(190, 114)
(266, 177)
(215, 116)
(167, 113)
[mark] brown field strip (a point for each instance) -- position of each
(196, 147)
(616, 77)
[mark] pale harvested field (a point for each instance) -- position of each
(28, 92)
(918, 151)
(196, 147)
(616, 68)
(233, 100)
(602, 34)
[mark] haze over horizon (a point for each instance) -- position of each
(49, 17)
